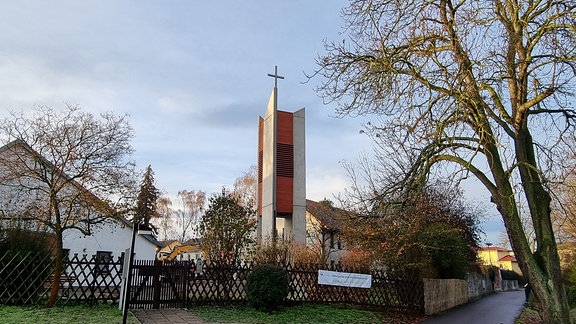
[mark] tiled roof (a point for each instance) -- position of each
(510, 258)
(328, 215)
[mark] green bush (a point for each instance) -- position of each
(24, 265)
(267, 287)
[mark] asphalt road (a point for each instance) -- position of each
(497, 308)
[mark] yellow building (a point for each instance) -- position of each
(499, 257)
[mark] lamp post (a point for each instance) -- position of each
(489, 244)
(129, 277)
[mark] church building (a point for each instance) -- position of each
(281, 173)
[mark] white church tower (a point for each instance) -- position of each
(281, 195)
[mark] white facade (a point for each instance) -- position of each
(114, 237)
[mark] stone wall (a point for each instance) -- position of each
(442, 294)
(478, 285)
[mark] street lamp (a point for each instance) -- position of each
(489, 244)
(137, 228)
(127, 288)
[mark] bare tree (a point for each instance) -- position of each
(245, 188)
(164, 222)
(564, 211)
(468, 88)
(65, 170)
(187, 218)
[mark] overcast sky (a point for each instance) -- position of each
(192, 75)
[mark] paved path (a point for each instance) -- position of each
(165, 316)
(498, 308)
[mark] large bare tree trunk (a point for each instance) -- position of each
(57, 271)
(544, 273)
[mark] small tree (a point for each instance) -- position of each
(146, 203)
(226, 229)
(25, 264)
(434, 234)
(267, 287)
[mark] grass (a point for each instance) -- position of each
(108, 314)
(300, 314)
(101, 313)
(530, 316)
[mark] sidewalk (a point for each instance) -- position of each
(165, 316)
(498, 308)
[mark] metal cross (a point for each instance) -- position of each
(275, 76)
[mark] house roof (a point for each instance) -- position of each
(18, 143)
(494, 248)
(168, 242)
(22, 144)
(329, 216)
(510, 258)
(152, 239)
(194, 241)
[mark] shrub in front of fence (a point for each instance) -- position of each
(27, 277)
(24, 266)
(22, 276)
(267, 287)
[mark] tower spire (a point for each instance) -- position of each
(274, 101)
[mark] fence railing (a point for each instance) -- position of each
(227, 284)
(26, 278)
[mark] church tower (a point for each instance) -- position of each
(281, 172)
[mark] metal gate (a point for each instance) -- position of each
(159, 285)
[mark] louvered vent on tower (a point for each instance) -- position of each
(285, 160)
(260, 165)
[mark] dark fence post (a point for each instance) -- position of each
(128, 286)
(157, 269)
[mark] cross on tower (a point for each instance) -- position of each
(275, 76)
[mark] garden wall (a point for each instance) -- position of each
(443, 294)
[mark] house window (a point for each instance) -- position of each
(103, 259)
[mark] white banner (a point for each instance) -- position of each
(344, 279)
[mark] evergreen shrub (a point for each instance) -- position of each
(267, 287)
(25, 264)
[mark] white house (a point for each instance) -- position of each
(323, 230)
(108, 239)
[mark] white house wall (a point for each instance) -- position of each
(111, 237)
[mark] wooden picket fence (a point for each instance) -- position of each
(183, 284)
(227, 284)
(26, 278)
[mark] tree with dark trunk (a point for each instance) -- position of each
(64, 170)
(468, 88)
